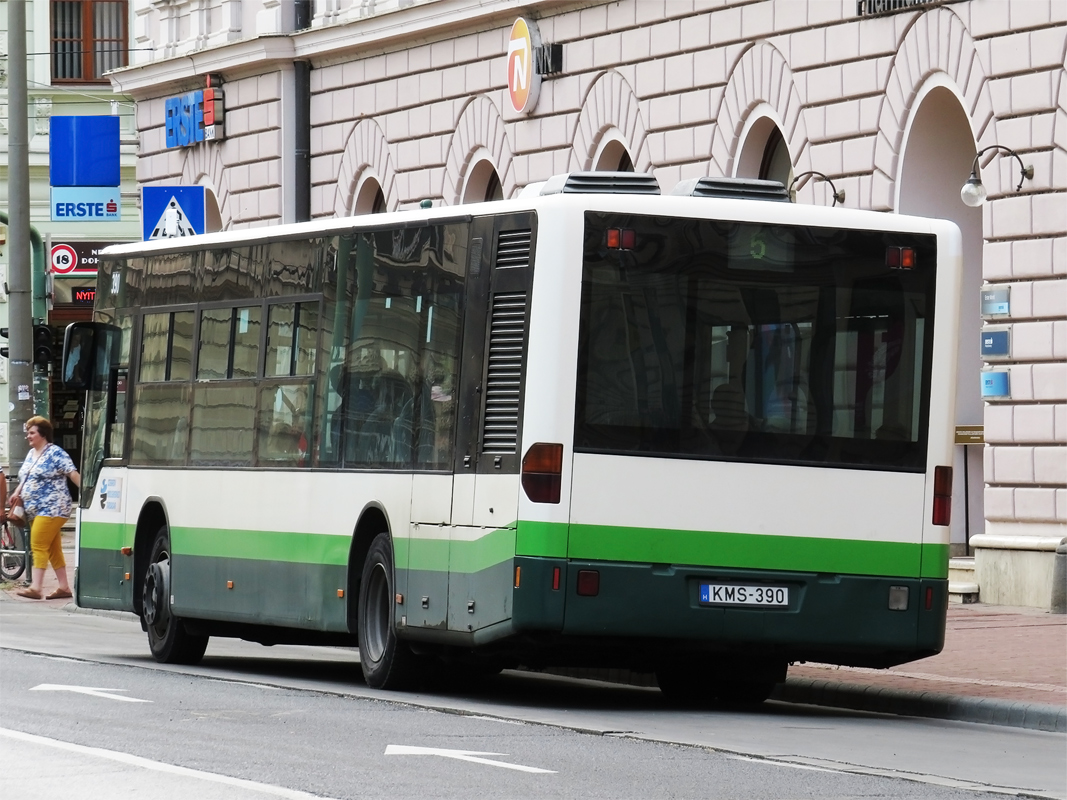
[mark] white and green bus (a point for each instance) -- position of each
(703, 433)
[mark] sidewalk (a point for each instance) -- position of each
(1001, 665)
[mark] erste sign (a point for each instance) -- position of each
(193, 117)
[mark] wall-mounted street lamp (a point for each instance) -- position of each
(839, 197)
(974, 193)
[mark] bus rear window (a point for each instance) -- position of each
(755, 342)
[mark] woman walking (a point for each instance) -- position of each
(43, 491)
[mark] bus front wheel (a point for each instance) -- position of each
(387, 662)
(168, 638)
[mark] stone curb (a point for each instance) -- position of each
(881, 700)
(937, 705)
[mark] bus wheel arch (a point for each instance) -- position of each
(153, 516)
(372, 521)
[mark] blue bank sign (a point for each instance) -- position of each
(86, 203)
(83, 169)
(193, 117)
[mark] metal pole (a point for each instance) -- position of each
(19, 281)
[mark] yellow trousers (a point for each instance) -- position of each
(47, 543)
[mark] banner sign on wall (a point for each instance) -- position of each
(524, 81)
(77, 259)
(86, 204)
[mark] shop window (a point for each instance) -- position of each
(89, 38)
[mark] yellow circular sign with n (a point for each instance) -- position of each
(524, 82)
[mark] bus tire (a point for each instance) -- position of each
(744, 693)
(168, 638)
(387, 662)
(685, 687)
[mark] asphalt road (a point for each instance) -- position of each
(295, 722)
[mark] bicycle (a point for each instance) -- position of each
(14, 551)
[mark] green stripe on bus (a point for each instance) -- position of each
(560, 540)
(303, 548)
(457, 556)
(935, 561)
(548, 539)
(747, 551)
(106, 535)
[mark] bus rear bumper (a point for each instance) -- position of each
(829, 618)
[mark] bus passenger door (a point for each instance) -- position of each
(486, 488)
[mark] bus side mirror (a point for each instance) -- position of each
(87, 347)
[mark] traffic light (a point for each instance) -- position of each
(3, 350)
(42, 345)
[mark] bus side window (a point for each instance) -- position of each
(284, 417)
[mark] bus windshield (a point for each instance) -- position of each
(755, 342)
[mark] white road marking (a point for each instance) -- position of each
(159, 766)
(460, 755)
(89, 690)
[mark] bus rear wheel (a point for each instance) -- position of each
(387, 662)
(168, 638)
(684, 685)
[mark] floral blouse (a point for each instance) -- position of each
(44, 482)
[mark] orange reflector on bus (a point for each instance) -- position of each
(620, 238)
(518, 576)
(900, 257)
(942, 496)
(588, 582)
(542, 472)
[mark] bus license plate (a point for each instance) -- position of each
(729, 594)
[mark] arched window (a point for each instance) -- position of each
(764, 153)
(614, 158)
(483, 184)
(776, 164)
(369, 199)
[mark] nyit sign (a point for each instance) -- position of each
(194, 117)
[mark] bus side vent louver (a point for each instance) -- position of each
(513, 249)
(507, 328)
(733, 188)
(601, 183)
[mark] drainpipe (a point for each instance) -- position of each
(302, 120)
(302, 140)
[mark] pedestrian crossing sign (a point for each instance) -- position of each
(170, 212)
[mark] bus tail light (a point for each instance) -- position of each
(542, 472)
(621, 238)
(942, 495)
(900, 257)
(588, 582)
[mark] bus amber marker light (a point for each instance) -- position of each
(900, 257)
(942, 495)
(542, 472)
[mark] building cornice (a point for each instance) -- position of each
(256, 55)
(341, 39)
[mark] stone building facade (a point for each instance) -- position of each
(381, 105)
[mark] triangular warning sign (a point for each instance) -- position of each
(173, 222)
